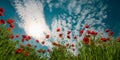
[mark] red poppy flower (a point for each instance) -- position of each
(37, 41)
(47, 36)
(81, 32)
(72, 45)
(68, 36)
(75, 37)
(26, 53)
(60, 35)
(2, 21)
(118, 38)
(24, 36)
(27, 38)
(29, 45)
(107, 30)
(68, 32)
(43, 42)
(67, 44)
(1, 14)
(17, 35)
(54, 43)
(86, 26)
(103, 39)
(86, 40)
(73, 49)
(93, 33)
(10, 21)
(1, 10)
(11, 25)
(58, 29)
(19, 50)
(110, 33)
(23, 39)
(44, 51)
(9, 29)
(21, 45)
(49, 50)
(89, 31)
(12, 36)
(40, 50)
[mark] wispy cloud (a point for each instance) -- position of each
(32, 18)
(79, 13)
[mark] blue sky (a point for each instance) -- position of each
(113, 19)
(57, 12)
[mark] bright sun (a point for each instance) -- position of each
(35, 30)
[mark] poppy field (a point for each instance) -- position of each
(91, 47)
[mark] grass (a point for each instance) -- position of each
(94, 50)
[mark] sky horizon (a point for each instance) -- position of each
(112, 20)
(40, 17)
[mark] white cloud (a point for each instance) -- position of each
(78, 9)
(32, 18)
(86, 13)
